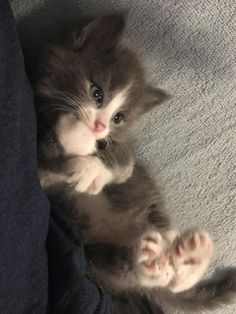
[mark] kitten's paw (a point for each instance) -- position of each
(75, 136)
(98, 183)
(88, 174)
(194, 247)
(191, 254)
(153, 260)
(150, 249)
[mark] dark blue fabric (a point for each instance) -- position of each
(66, 270)
(26, 285)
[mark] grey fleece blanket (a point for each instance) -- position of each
(189, 145)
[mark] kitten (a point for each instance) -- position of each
(91, 90)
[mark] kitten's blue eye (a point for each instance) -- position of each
(96, 93)
(118, 118)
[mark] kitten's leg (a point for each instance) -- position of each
(88, 174)
(112, 265)
(191, 254)
(119, 157)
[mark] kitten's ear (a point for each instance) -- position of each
(153, 97)
(101, 34)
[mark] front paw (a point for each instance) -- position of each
(74, 136)
(89, 175)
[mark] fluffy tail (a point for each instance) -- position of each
(135, 304)
(206, 296)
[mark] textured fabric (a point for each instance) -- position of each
(24, 210)
(26, 286)
(189, 48)
(70, 291)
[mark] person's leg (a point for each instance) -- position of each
(24, 210)
(71, 291)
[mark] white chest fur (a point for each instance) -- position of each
(75, 136)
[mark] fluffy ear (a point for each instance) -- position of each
(103, 33)
(153, 97)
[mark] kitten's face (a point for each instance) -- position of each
(96, 81)
(104, 107)
(105, 113)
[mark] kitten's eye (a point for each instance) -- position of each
(96, 93)
(118, 118)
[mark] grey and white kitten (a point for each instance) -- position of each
(91, 90)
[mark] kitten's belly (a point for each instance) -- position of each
(107, 225)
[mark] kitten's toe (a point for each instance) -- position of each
(150, 252)
(81, 186)
(79, 181)
(193, 247)
(86, 184)
(96, 187)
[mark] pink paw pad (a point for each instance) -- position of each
(191, 245)
(151, 252)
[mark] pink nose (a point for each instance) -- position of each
(98, 126)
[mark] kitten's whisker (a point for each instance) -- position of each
(63, 104)
(61, 109)
(83, 110)
(72, 103)
(108, 140)
(85, 113)
(68, 102)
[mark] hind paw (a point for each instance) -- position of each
(194, 247)
(153, 260)
(191, 254)
(151, 248)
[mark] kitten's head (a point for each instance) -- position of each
(98, 80)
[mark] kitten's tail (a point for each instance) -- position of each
(205, 296)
